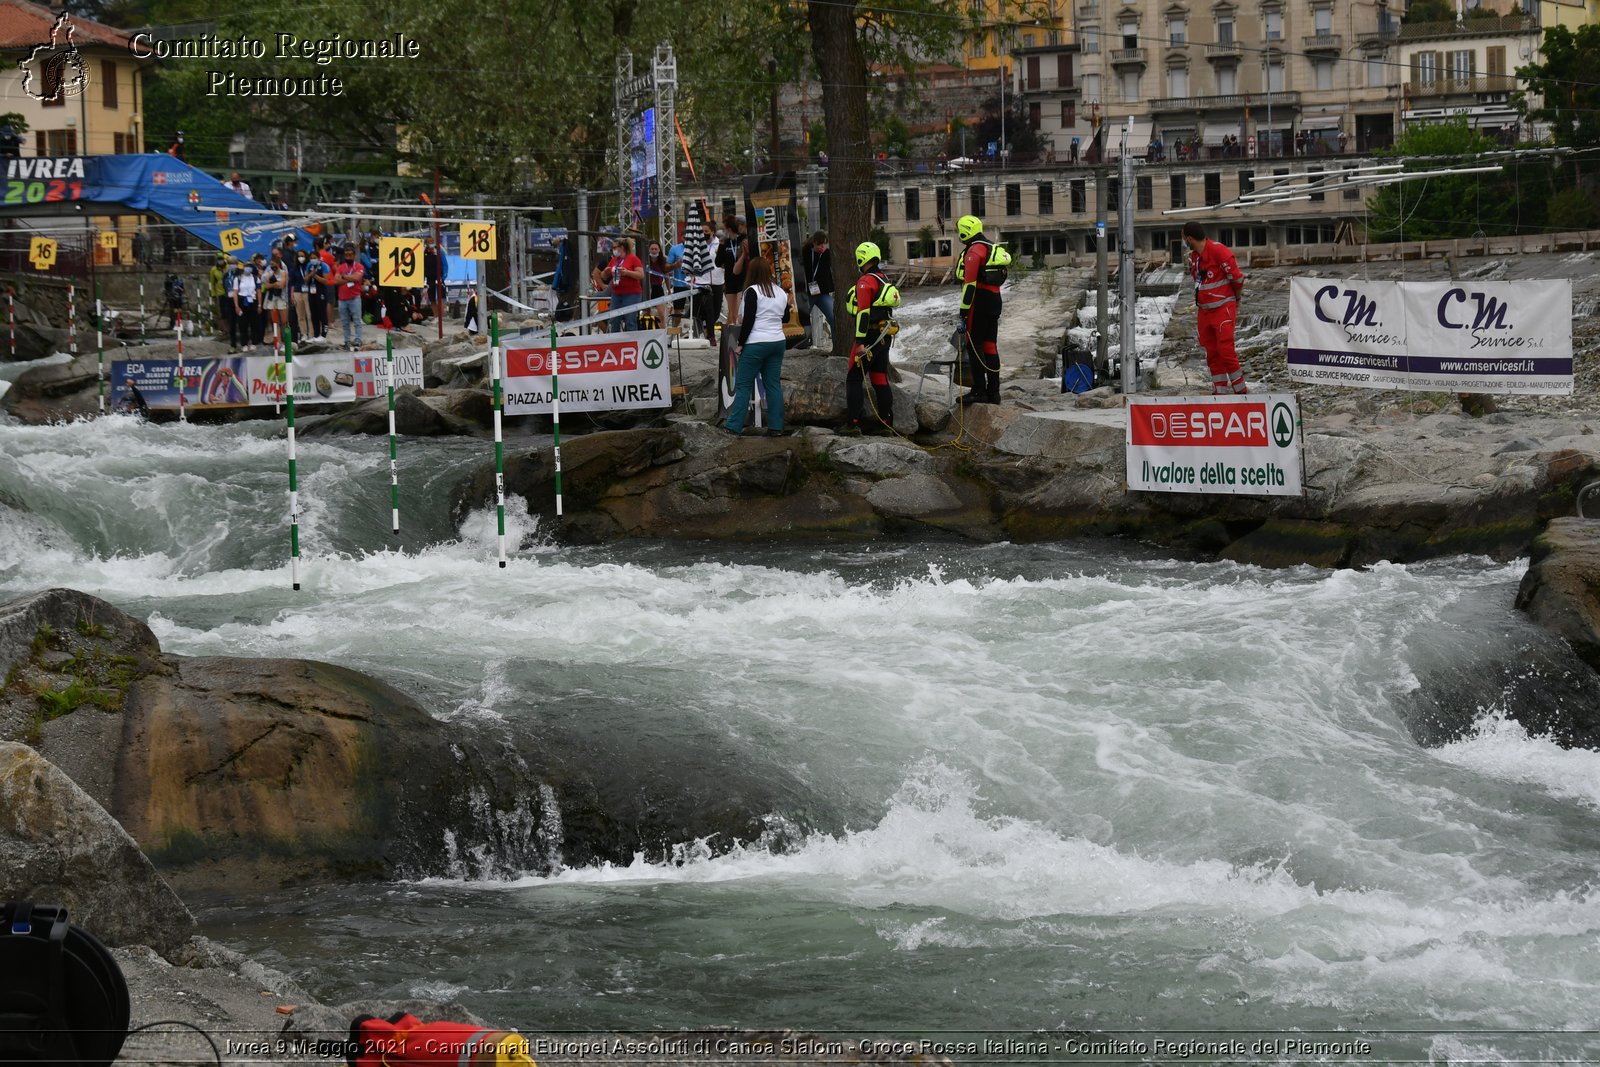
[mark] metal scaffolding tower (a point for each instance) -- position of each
(660, 88)
(666, 78)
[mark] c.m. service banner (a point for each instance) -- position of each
(1450, 336)
(603, 372)
(1244, 445)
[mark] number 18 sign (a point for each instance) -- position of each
(477, 240)
(400, 262)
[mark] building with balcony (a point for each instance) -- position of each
(1047, 85)
(1274, 74)
(999, 27)
(1468, 68)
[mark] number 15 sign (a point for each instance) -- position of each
(400, 262)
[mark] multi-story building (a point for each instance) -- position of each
(1271, 73)
(1467, 67)
(88, 106)
(1002, 26)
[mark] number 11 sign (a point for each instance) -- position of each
(400, 262)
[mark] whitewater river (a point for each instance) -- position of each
(1094, 789)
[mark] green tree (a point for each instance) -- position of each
(1430, 11)
(1573, 208)
(1563, 90)
(896, 137)
(1461, 205)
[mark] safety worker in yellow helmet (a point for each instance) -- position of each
(871, 304)
(983, 271)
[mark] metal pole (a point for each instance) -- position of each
(100, 344)
(1125, 268)
(499, 441)
(183, 380)
(483, 284)
(583, 245)
(437, 297)
(394, 448)
(1102, 341)
(555, 410)
(294, 480)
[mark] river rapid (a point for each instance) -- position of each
(1090, 789)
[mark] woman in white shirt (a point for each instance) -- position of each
(244, 287)
(760, 349)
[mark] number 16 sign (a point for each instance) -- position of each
(400, 262)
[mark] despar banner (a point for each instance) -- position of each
(207, 383)
(1347, 332)
(1491, 337)
(604, 372)
(332, 377)
(1241, 445)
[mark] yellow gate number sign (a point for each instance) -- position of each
(108, 240)
(400, 262)
(42, 250)
(232, 240)
(477, 240)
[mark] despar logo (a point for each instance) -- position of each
(592, 357)
(1487, 312)
(54, 69)
(1358, 309)
(1211, 425)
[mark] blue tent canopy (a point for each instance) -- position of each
(153, 184)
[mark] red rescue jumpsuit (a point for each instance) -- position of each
(1217, 282)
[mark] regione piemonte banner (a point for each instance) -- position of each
(603, 372)
(1448, 336)
(1243, 445)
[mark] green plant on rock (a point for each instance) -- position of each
(54, 703)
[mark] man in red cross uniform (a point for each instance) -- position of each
(1217, 285)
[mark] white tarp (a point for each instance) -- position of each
(1450, 336)
(1240, 445)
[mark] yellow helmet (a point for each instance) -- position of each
(969, 226)
(866, 252)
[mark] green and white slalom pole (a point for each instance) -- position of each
(499, 441)
(100, 344)
(183, 375)
(394, 449)
(141, 307)
(294, 480)
(11, 319)
(555, 410)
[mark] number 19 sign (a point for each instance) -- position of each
(400, 262)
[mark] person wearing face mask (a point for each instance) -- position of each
(274, 298)
(300, 286)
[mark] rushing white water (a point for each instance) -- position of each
(1086, 787)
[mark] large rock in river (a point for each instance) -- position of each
(57, 846)
(1561, 590)
(231, 769)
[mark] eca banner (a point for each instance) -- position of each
(1242, 445)
(604, 372)
(1450, 336)
(206, 383)
(242, 381)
